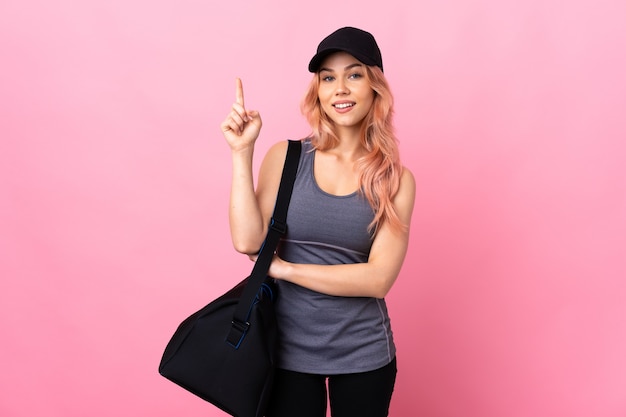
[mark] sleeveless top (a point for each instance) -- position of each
(318, 333)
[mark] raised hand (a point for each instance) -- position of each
(241, 127)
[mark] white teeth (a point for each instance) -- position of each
(344, 105)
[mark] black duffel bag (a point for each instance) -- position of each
(225, 352)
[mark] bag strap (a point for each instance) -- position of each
(277, 228)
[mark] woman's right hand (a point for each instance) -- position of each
(241, 127)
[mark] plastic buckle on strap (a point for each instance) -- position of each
(278, 226)
(237, 332)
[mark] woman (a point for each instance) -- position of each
(348, 231)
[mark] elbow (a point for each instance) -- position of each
(247, 248)
(378, 290)
(247, 241)
(381, 292)
(382, 287)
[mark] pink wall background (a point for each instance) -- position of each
(114, 188)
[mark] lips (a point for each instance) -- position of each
(343, 105)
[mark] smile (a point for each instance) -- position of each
(343, 105)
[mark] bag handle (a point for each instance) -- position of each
(277, 228)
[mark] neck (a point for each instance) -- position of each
(349, 146)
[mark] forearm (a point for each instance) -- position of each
(246, 222)
(346, 280)
(373, 278)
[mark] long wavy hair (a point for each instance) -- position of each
(380, 168)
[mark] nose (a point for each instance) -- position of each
(342, 87)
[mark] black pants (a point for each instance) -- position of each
(365, 394)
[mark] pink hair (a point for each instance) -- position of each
(380, 169)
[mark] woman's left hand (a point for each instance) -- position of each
(277, 267)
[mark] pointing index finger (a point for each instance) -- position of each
(239, 92)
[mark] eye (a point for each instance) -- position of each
(355, 76)
(328, 78)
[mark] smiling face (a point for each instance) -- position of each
(344, 91)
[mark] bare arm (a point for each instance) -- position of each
(246, 221)
(241, 128)
(373, 278)
(250, 211)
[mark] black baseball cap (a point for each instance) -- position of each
(358, 43)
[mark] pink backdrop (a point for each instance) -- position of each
(114, 188)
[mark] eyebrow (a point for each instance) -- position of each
(356, 64)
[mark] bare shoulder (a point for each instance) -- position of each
(407, 179)
(404, 200)
(274, 159)
(269, 175)
(273, 162)
(407, 184)
(277, 151)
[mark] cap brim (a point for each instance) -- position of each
(318, 58)
(316, 61)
